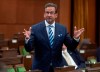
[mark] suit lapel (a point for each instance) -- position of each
(44, 33)
(56, 34)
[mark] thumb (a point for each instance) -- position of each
(75, 28)
(30, 29)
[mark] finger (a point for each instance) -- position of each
(75, 28)
(30, 29)
(25, 30)
(78, 30)
(82, 29)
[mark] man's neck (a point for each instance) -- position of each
(50, 22)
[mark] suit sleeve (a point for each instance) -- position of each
(71, 43)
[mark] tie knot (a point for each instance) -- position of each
(50, 26)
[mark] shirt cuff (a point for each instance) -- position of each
(77, 39)
(26, 40)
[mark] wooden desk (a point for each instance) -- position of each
(96, 69)
(11, 60)
(34, 71)
(8, 52)
(64, 69)
(93, 67)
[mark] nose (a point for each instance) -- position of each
(49, 14)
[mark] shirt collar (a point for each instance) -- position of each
(47, 24)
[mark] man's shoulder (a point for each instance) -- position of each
(60, 25)
(37, 25)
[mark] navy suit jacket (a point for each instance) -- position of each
(98, 54)
(44, 55)
(78, 59)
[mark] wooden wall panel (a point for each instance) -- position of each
(84, 16)
(91, 26)
(31, 11)
(11, 29)
(15, 15)
(25, 11)
(65, 13)
(39, 9)
(7, 11)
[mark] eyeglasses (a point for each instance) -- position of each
(50, 13)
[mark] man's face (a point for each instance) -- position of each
(50, 14)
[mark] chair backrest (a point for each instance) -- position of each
(10, 68)
(88, 50)
(92, 60)
(13, 43)
(27, 61)
(19, 36)
(20, 68)
(23, 51)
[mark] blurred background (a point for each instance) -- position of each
(15, 15)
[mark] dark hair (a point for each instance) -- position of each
(51, 5)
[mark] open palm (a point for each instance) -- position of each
(27, 33)
(77, 33)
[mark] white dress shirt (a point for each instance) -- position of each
(47, 27)
(68, 58)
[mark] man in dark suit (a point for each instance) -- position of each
(47, 38)
(74, 57)
(98, 54)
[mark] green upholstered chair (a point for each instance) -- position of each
(92, 60)
(20, 68)
(10, 70)
(23, 51)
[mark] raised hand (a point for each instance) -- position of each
(27, 33)
(77, 33)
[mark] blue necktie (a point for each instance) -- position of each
(50, 35)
